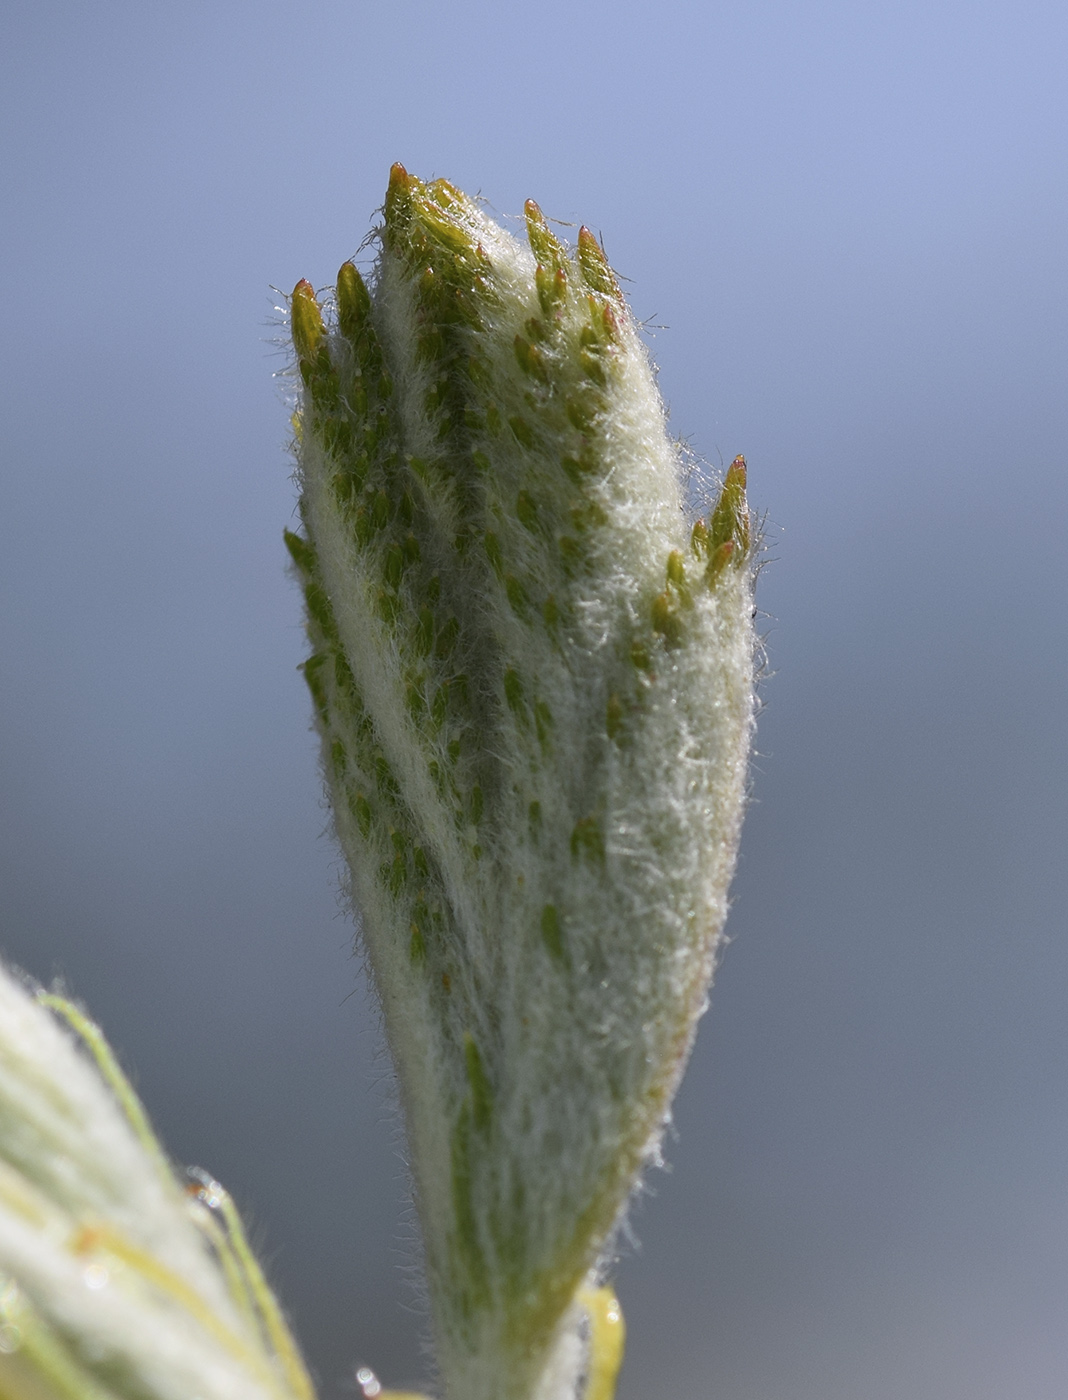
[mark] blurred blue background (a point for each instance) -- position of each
(846, 225)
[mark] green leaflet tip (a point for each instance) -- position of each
(481, 1093)
(445, 193)
(718, 561)
(596, 272)
(353, 300)
(417, 945)
(516, 595)
(666, 620)
(548, 251)
(428, 225)
(513, 690)
(301, 551)
(526, 510)
(676, 569)
(639, 655)
(587, 840)
(730, 516)
(306, 321)
(530, 360)
(400, 182)
(398, 204)
(552, 287)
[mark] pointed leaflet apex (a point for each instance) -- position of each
(353, 301)
(548, 251)
(730, 517)
(400, 182)
(398, 205)
(718, 561)
(596, 272)
(307, 322)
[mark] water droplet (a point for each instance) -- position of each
(368, 1382)
(10, 1338)
(204, 1188)
(96, 1277)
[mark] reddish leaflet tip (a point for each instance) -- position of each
(736, 472)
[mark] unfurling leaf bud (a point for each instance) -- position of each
(533, 680)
